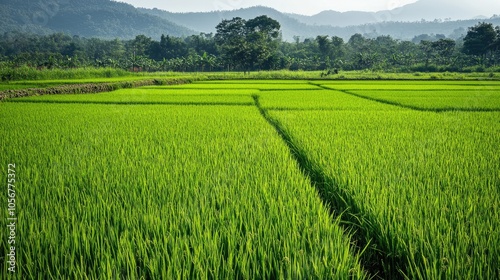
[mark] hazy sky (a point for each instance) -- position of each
(308, 7)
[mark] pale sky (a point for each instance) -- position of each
(308, 7)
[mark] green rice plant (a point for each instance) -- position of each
(438, 100)
(411, 85)
(317, 100)
(423, 186)
(13, 86)
(163, 192)
(259, 86)
(147, 96)
(245, 82)
(179, 90)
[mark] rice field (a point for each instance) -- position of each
(258, 179)
(410, 85)
(317, 100)
(259, 86)
(150, 96)
(424, 186)
(481, 100)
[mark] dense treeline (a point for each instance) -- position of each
(241, 45)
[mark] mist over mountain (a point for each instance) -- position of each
(429, 10)
(110, 19)
(326, 23)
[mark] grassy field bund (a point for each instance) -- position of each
(256, 179)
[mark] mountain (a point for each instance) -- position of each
(108, 19)
(428, 10)
(367, 24)
(445, 9)
(338, 19)
(86, 18)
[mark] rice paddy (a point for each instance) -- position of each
(257, 179)
(150, 96)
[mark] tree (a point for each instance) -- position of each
(358, 43)
(480, 40)
(263, 35)
(141, 45)
(172, 47)
(496, 46)
(426, 47)
(202, 43)
(338, 47)
(361, 52)
(325, 48)
(497, 43)
(422, 37)
(406, 54)
(230, 38)
(385, 49)
(248, 44)
(444, 49)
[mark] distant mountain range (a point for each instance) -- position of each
(329, 23)
(109, 19)
(429, 10)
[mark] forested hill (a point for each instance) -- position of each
(429, 10)
(292, 26)
(87, 18)
(108, 19)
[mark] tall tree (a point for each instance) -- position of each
(480, 40)
(248, 44)
(444, 49)
(172, 47)
(230, 38)
(338, 47)
(325, 49)
(497, 43)
(428, 52)
(141, 45)
(263, 35)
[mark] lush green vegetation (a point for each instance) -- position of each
(466, 95)
(316, 100)
(113, 191)
(151, 96)
(164, 181)
(411, 85)
(422, 188)
(439, 100)
(111, 19)
(254, 85)
(253, 45)
(49, 77)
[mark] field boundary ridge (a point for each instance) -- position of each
(89, 88)
(356, 223)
